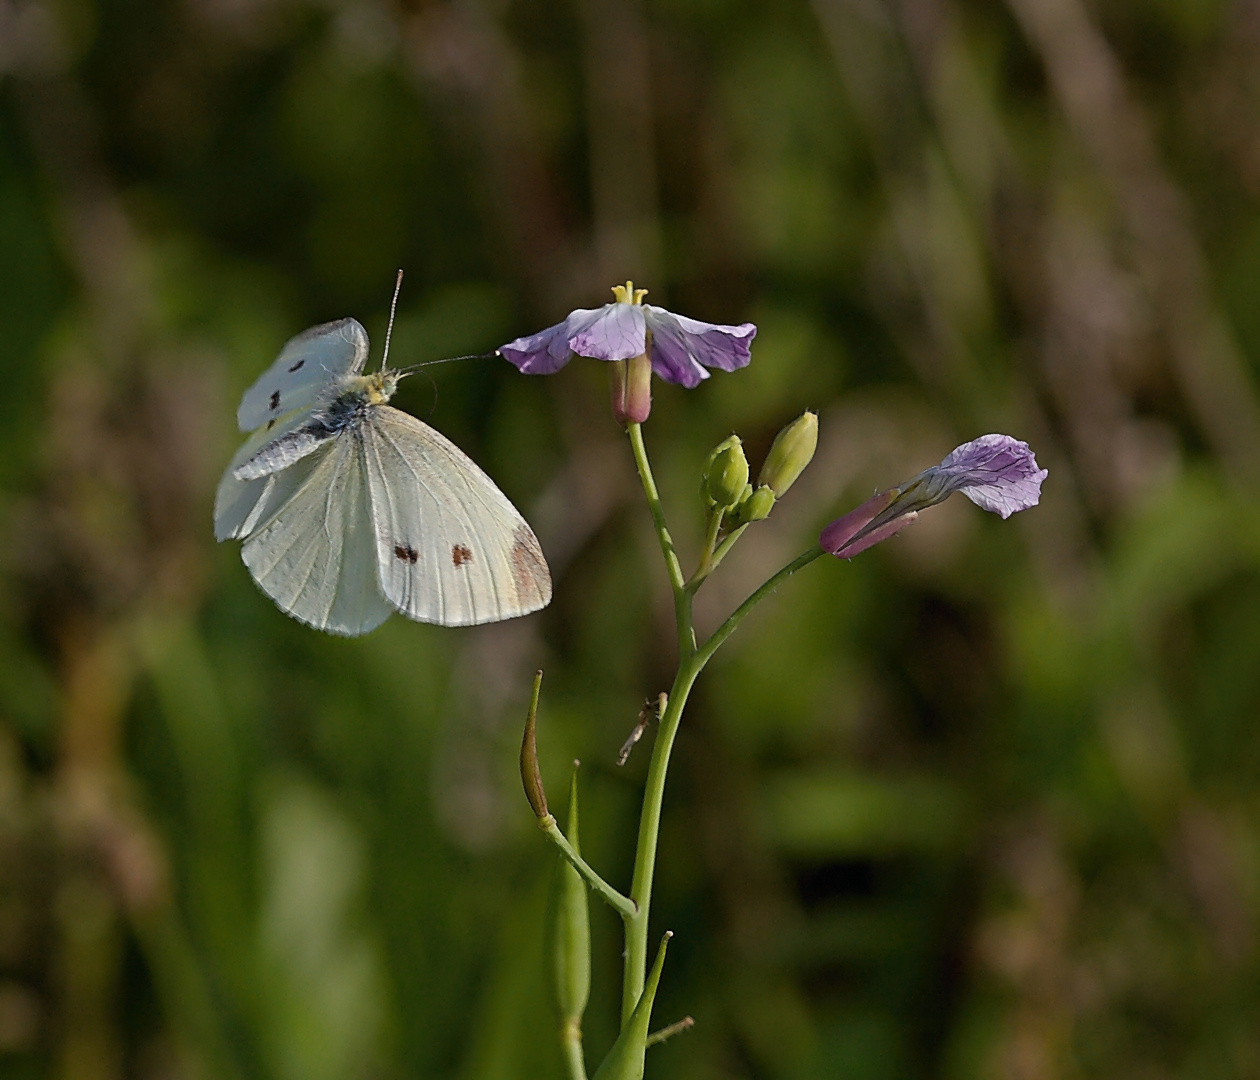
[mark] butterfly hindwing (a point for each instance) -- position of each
(316, 556)
(450, 547)
(242, 506)
(308, 367)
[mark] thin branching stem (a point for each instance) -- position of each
(623, 905)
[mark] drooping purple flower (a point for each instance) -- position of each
(995, 472)
(680, 349)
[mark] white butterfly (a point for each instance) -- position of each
(351, 509)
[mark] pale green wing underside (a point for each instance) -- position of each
(307, 367)
(242, 506)
(316, 556)
(388, 515)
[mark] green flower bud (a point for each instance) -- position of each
(793, 449)
(757, 506)
(727, 473)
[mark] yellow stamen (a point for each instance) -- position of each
(628, 294)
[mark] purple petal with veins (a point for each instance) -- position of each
(682, 348)
(995, 472)
(542, 353)
(617, 332)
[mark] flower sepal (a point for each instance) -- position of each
(630, 382)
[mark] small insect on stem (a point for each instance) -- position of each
(652, 710)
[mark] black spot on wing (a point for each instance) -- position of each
(296, 366)
(275, 400)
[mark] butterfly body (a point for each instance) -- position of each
(350, 509)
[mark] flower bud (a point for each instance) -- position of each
(757, 506)
(727, 473)
(631, 384)
(852, 534)
(793, 449)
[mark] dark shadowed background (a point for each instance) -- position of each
(981, 803)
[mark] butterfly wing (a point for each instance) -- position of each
(241, 506)
(307, 367)
(450, 547)
(316, 554)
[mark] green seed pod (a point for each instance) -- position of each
(727, 473)
(793, 449)
(531, 777)
(625, 1059)
(572, 935)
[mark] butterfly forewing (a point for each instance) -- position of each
(307, 368)
(450, 547)
(316, 556)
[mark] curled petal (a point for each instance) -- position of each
(613, 332)
(682, 348)
(996, 472)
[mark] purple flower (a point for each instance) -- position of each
(995, 472)
(680, 348)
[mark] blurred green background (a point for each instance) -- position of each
(981, 803)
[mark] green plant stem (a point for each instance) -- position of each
(682, 598)
(649, 828)
(706, 651)
(726, 546)
(705, 568)
(571, 1041)
(714, 559)
(623, 905)
(691, 662)
(650, 820)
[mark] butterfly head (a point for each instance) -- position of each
(379, 386)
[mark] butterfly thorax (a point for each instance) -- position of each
(355, 395)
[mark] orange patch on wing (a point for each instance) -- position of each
(529, 570)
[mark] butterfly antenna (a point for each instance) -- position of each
(393, 307)
(449, 360)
